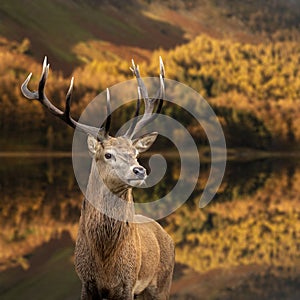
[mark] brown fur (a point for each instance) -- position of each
(119, 254)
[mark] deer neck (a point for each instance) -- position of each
(107, 215)
(114, 203)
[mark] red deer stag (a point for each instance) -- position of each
(118, 255)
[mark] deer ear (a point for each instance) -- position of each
(92, 144)
(144, 142)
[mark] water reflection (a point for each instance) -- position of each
(244, 244)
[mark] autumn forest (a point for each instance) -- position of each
(252, 86)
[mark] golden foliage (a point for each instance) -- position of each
(254, 89)
(262, 229)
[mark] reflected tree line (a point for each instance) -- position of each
(253, 218)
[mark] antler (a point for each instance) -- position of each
(103, 132)
(150, 103)
(64, 115)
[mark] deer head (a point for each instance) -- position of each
(116, 160)
(115, 157)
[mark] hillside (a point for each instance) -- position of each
(77, 31)
(248, 73)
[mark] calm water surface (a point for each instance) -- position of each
(245, 244)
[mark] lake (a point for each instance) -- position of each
(244, 245)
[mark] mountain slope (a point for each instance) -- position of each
(76, 30)
(56, 27)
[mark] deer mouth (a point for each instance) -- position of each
(136, 181)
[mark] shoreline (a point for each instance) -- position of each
(233, 154)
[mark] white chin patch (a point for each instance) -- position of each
(136, 182)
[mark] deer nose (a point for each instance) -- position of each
(139, 171)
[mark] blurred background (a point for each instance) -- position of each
(242, 56)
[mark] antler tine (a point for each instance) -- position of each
(43, 79)
(161, 67)
(150, 103)
(25, 91)
(142, 92)
(70, 121)
(104, 130)
(161, 92)
(42, 98)
(161, 96)
(108, 109)
(68, 99)
(136, 71)
(135, 118)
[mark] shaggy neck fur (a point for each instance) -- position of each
(107, 215)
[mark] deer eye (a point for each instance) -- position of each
(107, 155)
